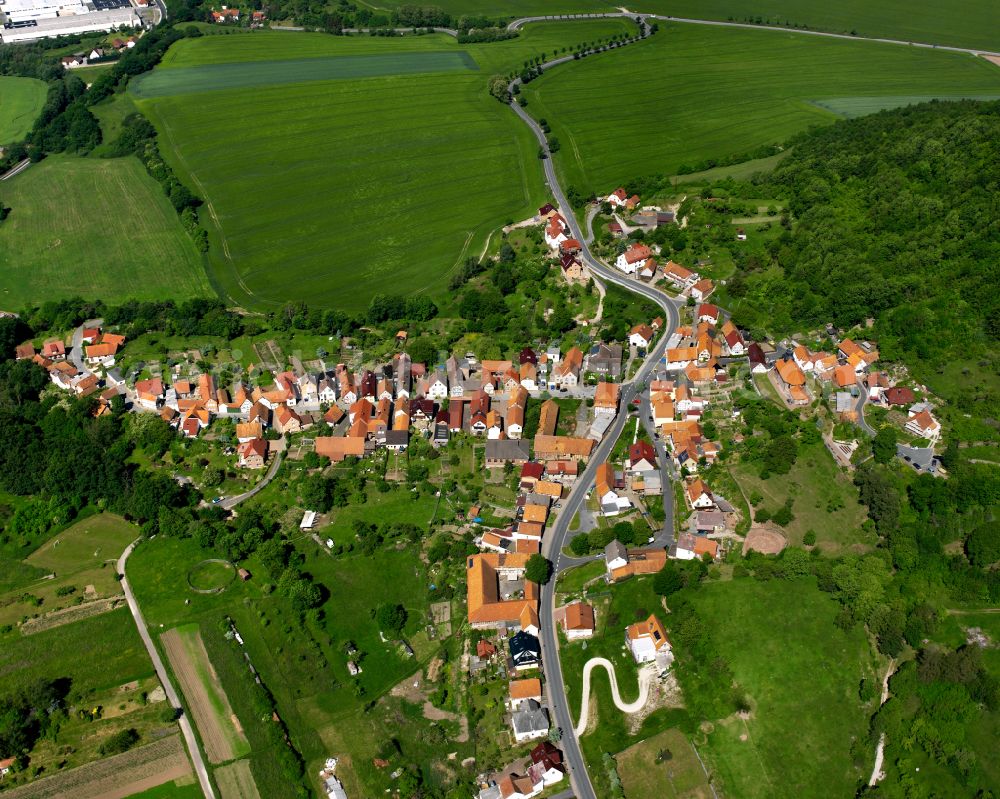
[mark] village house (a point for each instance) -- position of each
(523, 689)
(689, 547)
(679, 276)
(702, 290)
(605, 360)
(921, 423)
(698, 495)
(252, 454)
(577, 620)
(337, 448)
(622, 563)
(608, 498)
(606, 398)
(556, 231)
(617, 198)
(641, 336)
(529, 721)
(641, 457)
(572, 269)
(549, 447)
(567, 372)
(793, 381)
(633, 258)
(647, 640)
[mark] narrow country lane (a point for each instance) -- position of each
(161, 672)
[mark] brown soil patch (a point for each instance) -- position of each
(236, 782)
(190, 663)
(993, 59)
(764, 538)
(114, 777)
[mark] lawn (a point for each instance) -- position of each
(96, 228)
(801, 673)
(824, 499)
(343, 187)
(971, 24)
(20, 101)
(572, 580)
(716, 92)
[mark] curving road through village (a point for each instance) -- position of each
(558, 536)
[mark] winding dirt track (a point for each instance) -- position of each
(645, 678)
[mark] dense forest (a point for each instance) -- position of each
(897, 219)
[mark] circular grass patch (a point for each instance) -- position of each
(211, 576)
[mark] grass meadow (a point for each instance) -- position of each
(694, 92)
(972, 24)
(824, 500)
(801, 673)
(20, 101)
(330, 191)
(93, 228)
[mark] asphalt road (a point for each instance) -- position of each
(272, 470)
(557, 536)
(161, 672)
(76, 351)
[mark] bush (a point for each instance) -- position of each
(121, 741)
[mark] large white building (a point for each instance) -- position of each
(27, 20)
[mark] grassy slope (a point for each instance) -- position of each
(20, 101)
(93, 228)
(814, 483)
(972, 24)
(414, 170)
(801, 674)
(714, 92)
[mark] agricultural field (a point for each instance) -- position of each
(221, 735)
(95, 228)
(148, 771)
(69, 573)
(801, 673)
(824, 500)
(726, 92)
(378, 167)
(973, 24)
(21, 99)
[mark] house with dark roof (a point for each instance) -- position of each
(525, 651)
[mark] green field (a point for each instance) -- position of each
(824, 499)
(715, 92)
(973, 23)
(232, 76)
(172, 790)
(801, 673)
(679, 777)
(20, 101)
(94, 228)
(330, 191)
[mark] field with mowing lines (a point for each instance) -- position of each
(220, 732)
(719, 92)
(973, 23)
(330, 191)
(93, 228)
(236, 782)
(20, 101)
(231, 76)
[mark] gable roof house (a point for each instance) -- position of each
(698, 494)
(689, 547)
(647, 639)
(642, 457)
(562, 447)
(641, 336)
(605, 359)
(525, 648)
(252, 454)
(702, 290)
(567, 371)
(529, 721)
(633, 258)
(337, 448)
(578, 621)
(622, 563)
(921, 423)
(680, 276)
(548, 418)
(606, 398)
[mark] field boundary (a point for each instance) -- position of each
(114, 777)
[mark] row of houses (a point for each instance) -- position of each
(545, 769)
